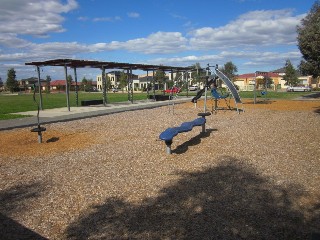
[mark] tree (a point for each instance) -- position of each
(89, 85)
(48, 80)
(290, 77)
(305, 68)
(108, 81)
(84, 84)
(1, 83)
(197, 76)
(69, 79)
(123, 80)
(309, 40)
(160, 77)
(12, 83)
(177, 80)
(263, 82)
(230, 70)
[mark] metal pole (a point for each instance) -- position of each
(187, 81)
(254, 90)
(76, 79)
(39, 83)
(153, 83)
(147, 84)
(131, 84)
(171, 94)
(67, 87)
(104, 86)
(206, 90)
(128, 85)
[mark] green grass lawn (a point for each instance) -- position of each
(10, 104)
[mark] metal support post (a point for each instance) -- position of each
(104, 86)
(39, 84)
(168, 146)
(67, 87)
(76, 79)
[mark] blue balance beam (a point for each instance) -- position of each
(170, 133)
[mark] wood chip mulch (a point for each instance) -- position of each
(253, 175)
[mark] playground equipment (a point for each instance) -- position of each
(173, 95)
(213, 77)
(38, 129)
(264, 91)
(217, 96)
(168, 135)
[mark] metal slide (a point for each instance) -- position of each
(231, 87)
(200, 92)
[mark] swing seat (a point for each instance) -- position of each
(216, 95)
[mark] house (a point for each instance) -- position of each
(60, 85)
(246, 81)
(28, 83)
(114, 78)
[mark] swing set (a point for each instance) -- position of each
(211, 83)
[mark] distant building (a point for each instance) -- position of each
(60, 85)
(246, 81)
(28, 83)
(114, 77)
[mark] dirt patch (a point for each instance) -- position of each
(21, 143)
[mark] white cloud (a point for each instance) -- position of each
(133, 15)
(236, 41)
(256, 28)
(37, 17)
(243, 59)
(107, 19)
(159, 42)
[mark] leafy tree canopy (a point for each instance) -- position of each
(48, 80)
(290, 77)
(309, 41)
(12, 83)
(197, 75)
(230, 70)
(123, 80)
(160, 76)
(69, 79)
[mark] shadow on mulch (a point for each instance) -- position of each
(317, 110)
(229, 201)
(260, 102)
(53, 139)
(192, 142)
(14, 200)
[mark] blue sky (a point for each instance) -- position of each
(256, 35)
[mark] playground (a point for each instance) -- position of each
(253, 175)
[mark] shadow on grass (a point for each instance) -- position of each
(14, 200)
(229, 201)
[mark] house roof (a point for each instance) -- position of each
(253, 75)
(63, 83)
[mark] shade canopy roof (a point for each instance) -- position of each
(73, 63)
